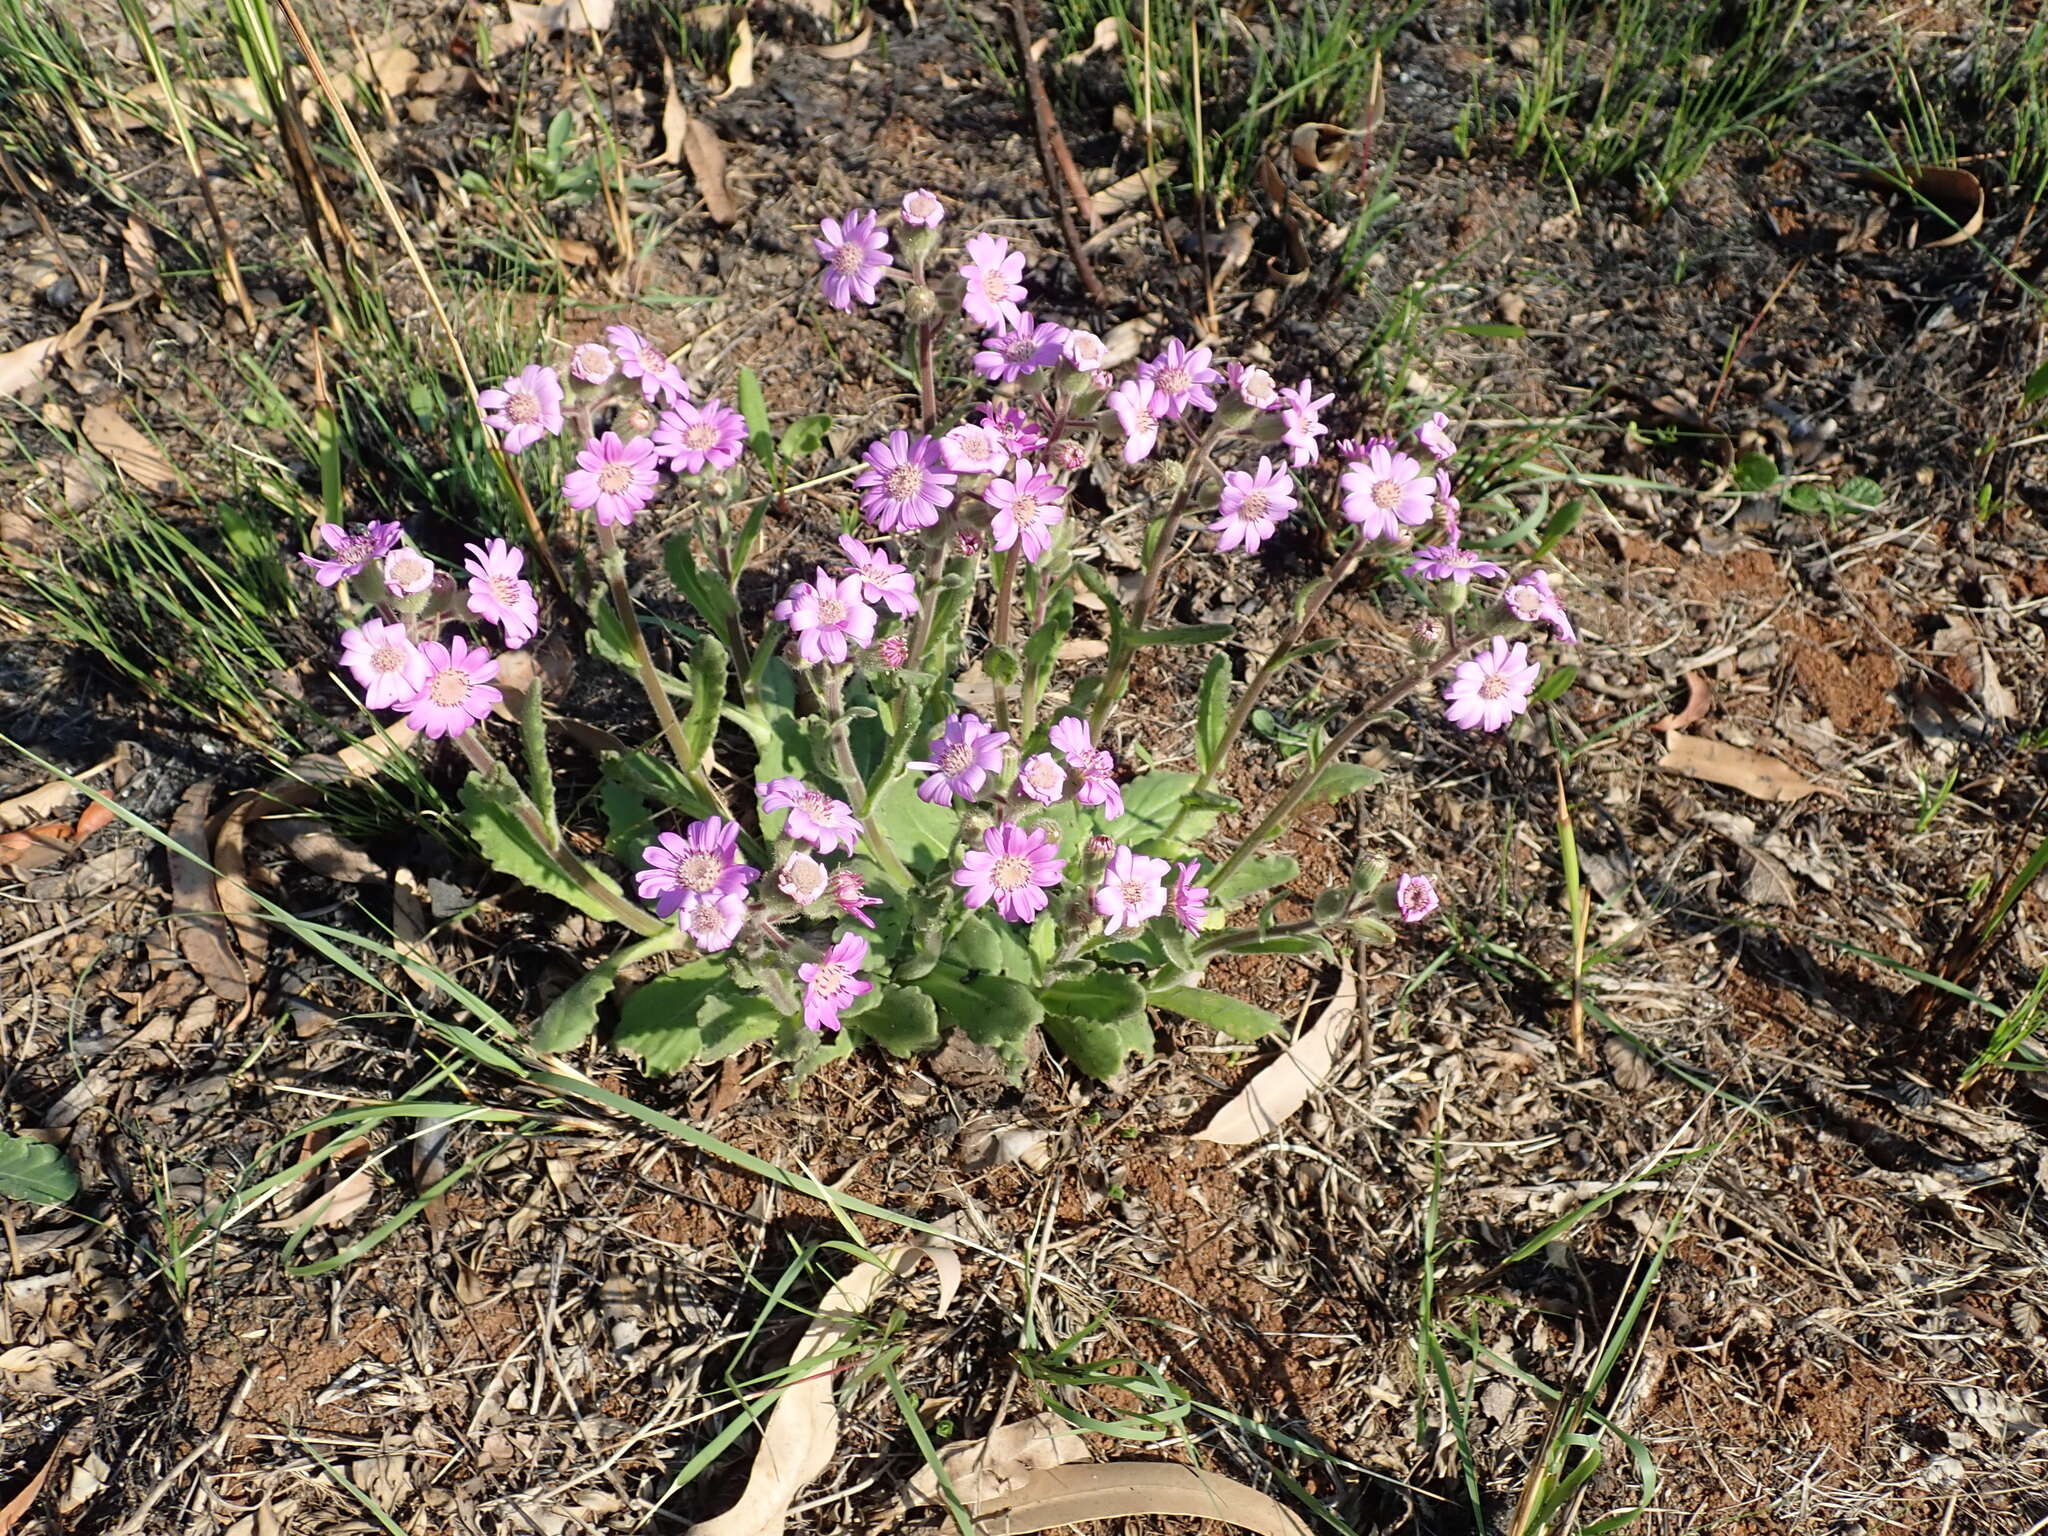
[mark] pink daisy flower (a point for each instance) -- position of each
(613, 479)
(1451, 562)
(1025, 347)
(1084, 351)
(972, 449)
(455, 694)
(1492, 688)
(1027, 507)
(387, 665)
(1019, 434)
(525, 408)
(406, 572)
(1435, 435)
(1302, 410)
(713, 923)
(802, 878)
(923, 209)
(1187, 901)
(994, 277)
(855, 251)
(1385, 492)
(1181, 377)
(849, 894)
(1132, 892)
(1013, 868)
(1416, 897)
(1253, 504)
(828, 825)
(882, 580)
(497, 592)
(1095, 767)
(904, 485)
(1533, 602)
(831, 619)
(1042, 778)
(702, 863)
(352, 549)
(1139, 410)
(641, 359)
(693, 436)
(963, 755)
(1253, 385)
(1448, 506)
(592, 363)
(834, 982)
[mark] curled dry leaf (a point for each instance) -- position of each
(335, 1207)
(35, 805)
(984, 1471)
(201, 926)
(1132, 189)
(134, 455)
(802, 1433)
(1322, 148)
(1754, 773)
(27, 365)
(138, 254)
(675, 118)
(1115, 1490)
(1699, 698)
(853, 47)
(1282, 1087)
(739, 69)
(1955, 196)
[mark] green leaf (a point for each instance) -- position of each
(1261, 872)
(1555, 685)
(1275, 944)
(657, 779)
(1047, 638)
(1343, 779)
(1496, 330)
(559, 128)
(707, 696)
(1102, 996)
(34, 1172)
(903, 1023)
(1755, 472)
(1807, 498)
(702, 589)
(804, 436)
(1235, 1017)
(567, 1022)
(692, 1013)
(2036, 389)
(1861, 494)
(633, 826)
(1188, 634)
(608, 641)
(754, 407)
(1151, 801)
(490, 812)
(921, 833)
(1212, 711)
(1098, 1047)
(1561, 523)
(985, 943)
(991, 1010)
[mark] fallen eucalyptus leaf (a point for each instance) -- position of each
(739, 69)
(134, 455)
(200, 924)
(982, 1471)
(853, 47)
(1699, 698)
(1132, 189)
(1754, 773)
(707, 164)
(1114, 1490)
(1284, 1085)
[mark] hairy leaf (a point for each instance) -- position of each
(490, 813)
(903, 1023)
(1098, 1046)
(1235, 1017)
(1212, 711)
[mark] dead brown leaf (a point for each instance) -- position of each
(739, 69)
(1955, 196)
(1699, 698)
(27, 365)
(707, 164)
(526, 23)
(675, 118)
(35, 847)
(35, 805)
(1112, 1490)
(201, 926)
(1754, 773)
(12, 1511)
(984, 1471)
(331, 1208)
(138, 252)
(1132, 189)
(1284, 1085)
(134, 455)
(853, 47)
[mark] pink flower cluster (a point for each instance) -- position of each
(399, 657)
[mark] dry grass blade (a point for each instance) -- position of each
(1754, 773)
(1115, 1490)
(803, 1429)
(1280, 1089)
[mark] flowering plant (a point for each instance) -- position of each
(933, 828)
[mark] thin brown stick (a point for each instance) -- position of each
(1057, 159)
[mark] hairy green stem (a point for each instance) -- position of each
(832, 693)
(999, 634)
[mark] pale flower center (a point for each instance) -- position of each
(387, 658)
(977, 445)
(1044, 774)
(699, 871)
(849, 259)
(523, 407)
(450, 687)
(1174, 381)
(1386, 494)
(705, 919)
(904, 482)
(956, 759)
(829, 978)
(700, 437)
(820, 808)
(504, 591)
(1025, 511)
(1253, 508)
(994, 285)
(1010, 871)
(1133, 892)
(593, 361)
(1524, 604)
(831, 611)
(1495, 687)
(615, 478)
(408, 571)
(1019, 348)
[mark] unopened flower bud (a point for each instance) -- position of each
(1100, 846)
(919, 302)
(894, 650)
(1427, 636)
(974, 824)
(1269, 426)
(801, 878)
(592, 363)
(967, 541)
(1163, 477)
(635, 420)
(1103, 382)
(1452, 595)
(1070, 454)
(922, 209)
